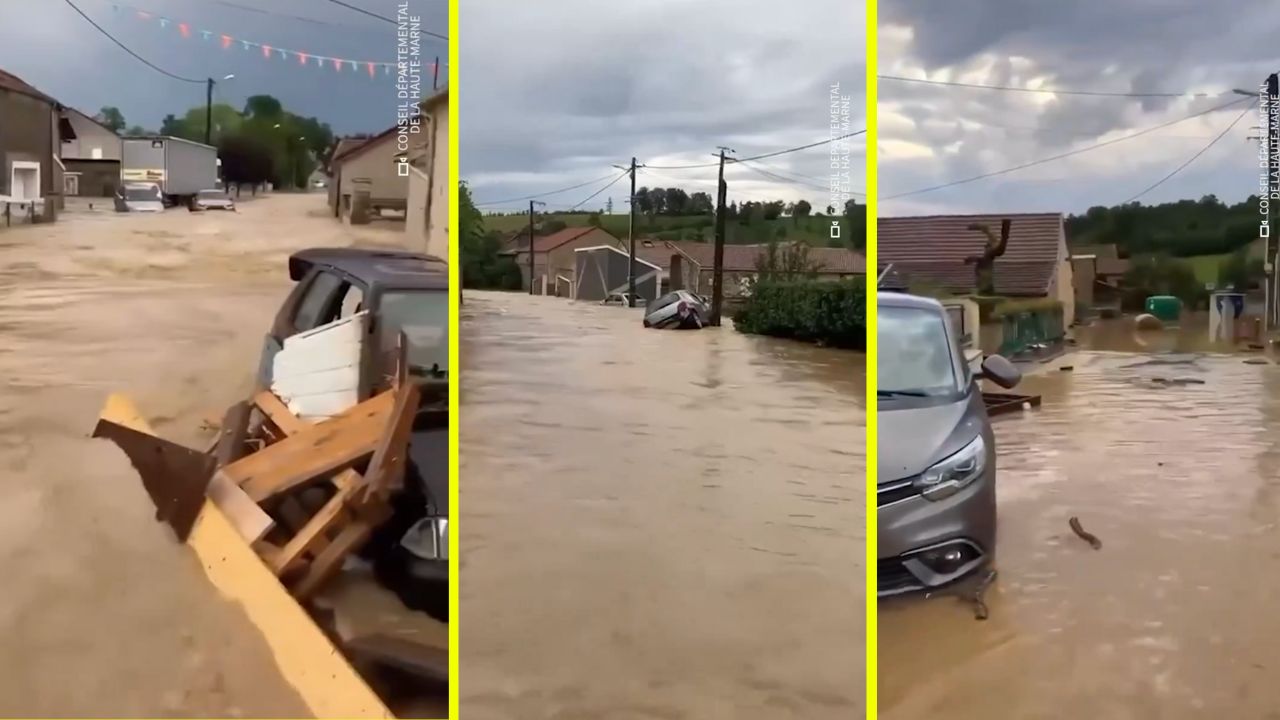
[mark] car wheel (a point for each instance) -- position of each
(647, 323)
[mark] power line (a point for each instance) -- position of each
(124, 47)
(1193, 158)
(1047, 91)
(273, 13)
(383, 18)
(606, 187)
(549, 192)
(1060, 156)
(761, 157)
(779, 177)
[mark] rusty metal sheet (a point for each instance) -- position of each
(175, 477)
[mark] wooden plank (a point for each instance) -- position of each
(332, 445)
(306, 658)
(249, 520)
(312, 535)
(329, 561)
(318, 408)
(278, 414)
(386, 467)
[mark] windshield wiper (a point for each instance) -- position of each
(901, 393)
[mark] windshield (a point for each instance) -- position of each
(914, 353)
(142, 193)
(423, 316)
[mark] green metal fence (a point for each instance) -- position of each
(1021, 330)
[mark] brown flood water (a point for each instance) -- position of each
(656, 524)
(1174, 616)
(104, 614)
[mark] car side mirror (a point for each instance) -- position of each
(1000, 371)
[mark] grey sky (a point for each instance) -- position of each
(929, 135)
(45, 43)
(554, 93)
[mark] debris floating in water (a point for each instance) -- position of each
(1085, 535)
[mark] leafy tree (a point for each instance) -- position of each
(801, 209)
(263, 106)
(137, 130)
(482, 266)
(246, 160)
(700, 203)
(112, 118)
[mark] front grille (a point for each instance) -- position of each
(895, 491)
(893, 576)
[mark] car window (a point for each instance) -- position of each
(352, 302)
(665, 300)
(423, 317)
(318, 300)
(915, 353)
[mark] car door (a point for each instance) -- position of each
(311, 304)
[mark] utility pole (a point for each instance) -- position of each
(631, 241)
(531, 247)
(717, 275)
(208, 111)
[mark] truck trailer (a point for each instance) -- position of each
(182, 168)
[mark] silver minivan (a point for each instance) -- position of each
(936, 482)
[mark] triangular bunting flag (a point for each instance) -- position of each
(302, 58)
(372, 69)
(244, 44)
(184, 30)
(337, 64)
(205, 34)
(266, 52)
(226, 41)
(164, 22)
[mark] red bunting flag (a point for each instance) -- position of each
(226, 41)
(371, 70)
(302, 58)
(184, 30)
(266, 52)
(337, 64)
(144, 15)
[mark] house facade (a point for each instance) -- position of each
(370, 169)
(935, 250)
(91, 154)
(554, 262)
(426, 223)
(688, 265)
(30, 169)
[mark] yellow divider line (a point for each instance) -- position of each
(324, 680)
(872, 435)
(455, 296)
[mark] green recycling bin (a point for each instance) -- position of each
(1165, 307)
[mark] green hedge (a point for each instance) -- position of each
(826, 312)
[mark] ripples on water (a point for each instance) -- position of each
(656, 523)
(1173, 617)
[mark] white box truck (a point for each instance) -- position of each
(180, 167)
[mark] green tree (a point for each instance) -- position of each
(801, 210)
(482, 266)
(112, 118)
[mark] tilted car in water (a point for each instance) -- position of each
(406, 294)
(680, 309)
(936, 481)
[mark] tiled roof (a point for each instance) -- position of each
(933, 249)
(742, 258)
(547, 243)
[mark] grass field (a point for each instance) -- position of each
(1206, 266)
(813, 230)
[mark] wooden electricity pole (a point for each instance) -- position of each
(631, 241)
(717, 275)
(530, 247)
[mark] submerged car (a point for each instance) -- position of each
(680, 309)
(622, 299)
(139, 197)
(213, 200)
(404, 293)
(936, 482)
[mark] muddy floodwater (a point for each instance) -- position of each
(656, 524)
(1173, 462)
(104, 614)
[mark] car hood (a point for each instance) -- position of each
(910, 440)
(144, 205)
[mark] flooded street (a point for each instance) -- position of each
(1172, 461)
(656, 524)
(104, 613)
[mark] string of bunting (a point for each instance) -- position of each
(306, 59)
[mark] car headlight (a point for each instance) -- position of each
(955, 473)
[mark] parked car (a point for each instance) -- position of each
(139, 197)
(213, 200)
(404, 293)
(936, 481)
(622, 299)
(680, 309)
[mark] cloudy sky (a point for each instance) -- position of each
(555, 93)
(931, 135)
(51, 47)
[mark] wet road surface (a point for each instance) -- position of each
(656, 524)
(104, 614)
(1173, 462)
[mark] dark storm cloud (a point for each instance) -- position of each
(49, 46)
(555, 93)
(1137, 46)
